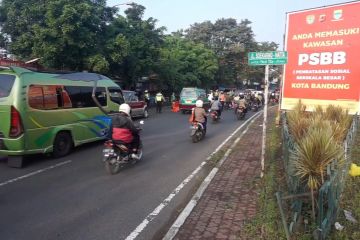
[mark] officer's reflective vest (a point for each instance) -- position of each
(159, 97)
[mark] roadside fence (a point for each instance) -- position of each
(294, 206)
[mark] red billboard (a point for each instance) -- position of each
(323, 68)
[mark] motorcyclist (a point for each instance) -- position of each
(124, 131)
(243, 103)
(240, 102)
(258, 98)
(216, 106)
(222, 99)
(199, 114)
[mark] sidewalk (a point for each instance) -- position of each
(231, 197)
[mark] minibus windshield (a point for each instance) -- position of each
(188, 93)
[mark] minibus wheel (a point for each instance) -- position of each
(62, 144)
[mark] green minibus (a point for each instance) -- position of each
(52, 112)
(188, 97)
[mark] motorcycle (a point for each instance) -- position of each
(214, 116)
(116, 155)
(197, 132)
(240, 113)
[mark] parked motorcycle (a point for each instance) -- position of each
(197, 132)
(116, 155)
(214, 116)
(240, 113)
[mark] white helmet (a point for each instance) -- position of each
(199, 103)
(125, 108)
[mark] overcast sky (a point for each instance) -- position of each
(267, 16)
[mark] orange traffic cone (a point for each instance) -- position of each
(175, 106)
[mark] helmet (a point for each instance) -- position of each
(125, 108)
(146, 91)
(199, 103)
(241, 96)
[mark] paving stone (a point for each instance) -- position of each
(230, 198)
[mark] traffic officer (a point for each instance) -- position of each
(159, 99)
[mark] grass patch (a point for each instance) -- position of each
(217, 157)
(267, 222)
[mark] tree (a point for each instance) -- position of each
(63, 33)
(231, 41)
(185, 63)
(145, 41)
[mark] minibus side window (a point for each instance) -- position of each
(50, 98)
(81, 96)
(36, 97)
(66, 99)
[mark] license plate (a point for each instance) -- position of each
(108, 150)
(188, 101)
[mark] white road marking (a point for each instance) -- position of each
(161, 206)
(194, 200)
(158, 209)
(34, 173)
(236, 130)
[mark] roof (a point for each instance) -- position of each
(82, 76)
(74, 76)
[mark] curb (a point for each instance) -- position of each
(194, 200)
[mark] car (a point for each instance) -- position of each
(138, 108)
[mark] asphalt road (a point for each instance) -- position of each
(74, 198)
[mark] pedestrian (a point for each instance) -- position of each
(211, 96)
(159, 99)
(173, 98)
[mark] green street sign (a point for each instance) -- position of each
(267, 58)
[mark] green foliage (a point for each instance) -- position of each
(97, 63)
(88, 35)
(134, 45)
(230, 41)
(184, 63)
(297, 121)
(318, 142)
(63, 33)
(2, 41)
(314, 152)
